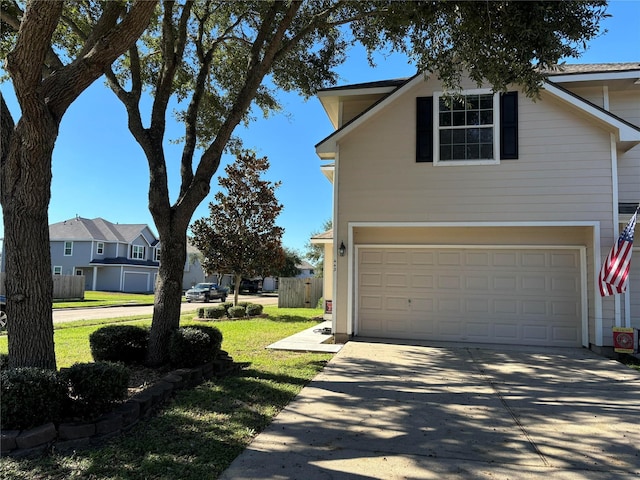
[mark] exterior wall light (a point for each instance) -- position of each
(342, 249)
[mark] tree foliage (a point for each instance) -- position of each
(240, 235)
(315, 252)
(217, 63)
(49, 67)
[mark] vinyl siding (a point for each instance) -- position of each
(626, 104)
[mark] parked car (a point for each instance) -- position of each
(203, 292)
(3, 312)
(251, 286)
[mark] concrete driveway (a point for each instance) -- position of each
(414, 412)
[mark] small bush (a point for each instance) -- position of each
(244, 304)
(194, 345)
(4, 361)
(219, 312)
(30, 397)
(201, 312)
(208, 313)
(96, 387)
(227, 306)
(237, 312)
(254, 309)
(119, 343)
(320, 303)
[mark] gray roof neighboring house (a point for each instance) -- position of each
(99, 229)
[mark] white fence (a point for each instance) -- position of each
(299, 292)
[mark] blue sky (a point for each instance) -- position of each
(100, 171)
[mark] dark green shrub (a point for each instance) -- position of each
(201, 312)
(227, 306)
(30, 397)
(244, 304)
(96, 387)
(254, 309)
(194, 345)
(237, 311)
(119, 343)
(208, 313)
(219, 312)
(4, 361)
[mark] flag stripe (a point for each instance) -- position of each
(614, 274)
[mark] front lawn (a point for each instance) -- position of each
(106, 299)
(199, 433)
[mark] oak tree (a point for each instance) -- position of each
(46, 77)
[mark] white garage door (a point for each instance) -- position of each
(507, 296)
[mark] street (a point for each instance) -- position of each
(71, 314)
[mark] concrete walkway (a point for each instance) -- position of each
(310, 340)
(381, 411)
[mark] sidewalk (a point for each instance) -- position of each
(309, 340)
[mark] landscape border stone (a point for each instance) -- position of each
(76, 435)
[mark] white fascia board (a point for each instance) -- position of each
(624, 132)
(329, 144)
(328, 171)
(595, 77)
(354, 91)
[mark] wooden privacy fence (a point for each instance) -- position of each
(299, 292)
(64, 286)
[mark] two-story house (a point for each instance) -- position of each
(486, 217)
(111, 256)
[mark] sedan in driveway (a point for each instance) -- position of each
(203, 292)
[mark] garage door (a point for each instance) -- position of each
(501, 295)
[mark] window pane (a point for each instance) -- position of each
(486, 135)
(442, 105)
(486, 151)
(459, 152)
(486, 117)
(473, 152)
(445, 119)
(473, 118)
(445, 152)
(459, 119)
(459, 136)
(445, 137)
(486, 102)
(473, 135)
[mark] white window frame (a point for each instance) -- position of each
(79, 271)
(495, 126)
(137, 252)
(57, 270)
(70, 254)
(100, 248)
(156, 255)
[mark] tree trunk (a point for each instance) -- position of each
(26, 191)
(238, 280)
(168, 294)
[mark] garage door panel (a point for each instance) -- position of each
(482, 295)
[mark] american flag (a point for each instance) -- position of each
(614, 274)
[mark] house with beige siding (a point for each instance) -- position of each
(484, 217)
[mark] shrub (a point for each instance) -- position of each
(219, 311)
(244, 304)
(320, 303)
(194, 345)
(30, 397)
(237, 311)
(227, 306)
(254, 309)
(96, 387)
(201, 312)
(4, 361)
(119, 343)
(208, 313)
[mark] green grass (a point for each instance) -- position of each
(105, 299)
(202, 430)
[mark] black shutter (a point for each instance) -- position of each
(509, 126)
(424, 129)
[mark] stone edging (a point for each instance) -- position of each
(73, 436)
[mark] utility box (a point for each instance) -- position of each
(625, 340)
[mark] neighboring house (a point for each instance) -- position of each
(305, 270)
(484, 220)
(111, 256)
